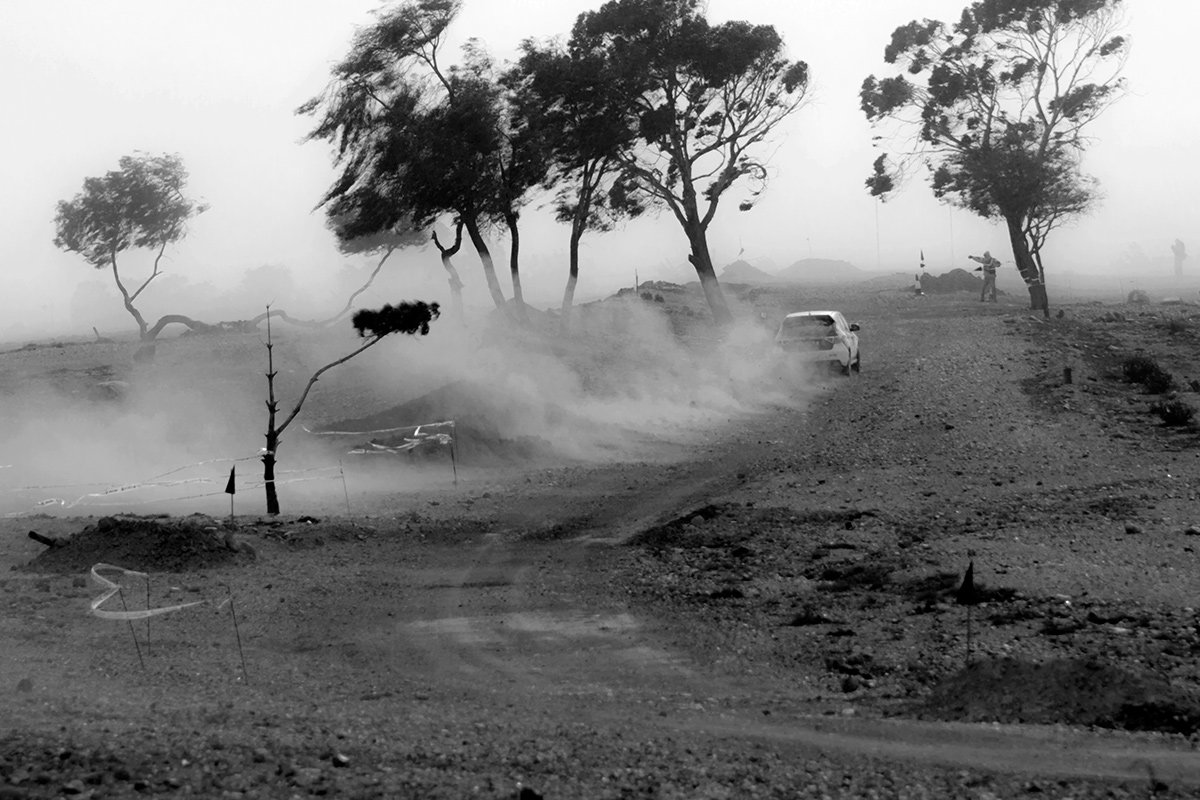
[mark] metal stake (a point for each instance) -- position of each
(121, 591)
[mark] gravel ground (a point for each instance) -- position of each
(772, 615)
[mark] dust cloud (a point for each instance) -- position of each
(86, 430)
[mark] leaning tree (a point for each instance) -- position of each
(366, 224)
(139, 205)
(427, 138)
(700, 100)
(565, 98)
(997, 106)
(373, 325)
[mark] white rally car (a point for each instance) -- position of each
(820, 336)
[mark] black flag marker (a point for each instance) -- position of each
(229, 486)
(967, 595)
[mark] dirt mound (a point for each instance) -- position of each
(956, 280)
(487, 424)
(145, 545)
(1062, 691)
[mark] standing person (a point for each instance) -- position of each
(989, 274)
(1180, 252)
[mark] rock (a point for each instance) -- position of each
(851, 684)
(1132, 528)
(73, 787)
(24, 685)
(306, 777)
(1192, 530)
(340, 760)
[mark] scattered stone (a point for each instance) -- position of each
(1132, 528)
(306, 777)
(340, 760)
(1061, 627)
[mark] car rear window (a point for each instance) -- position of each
(807, 323)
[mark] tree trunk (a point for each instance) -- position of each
(568, 300)
(514, 260)
(702, 261)
(456, 287)
(1027, 267)
(169, 319)
(485, 257)
(456, 284)
(268, 460)
(129, 306)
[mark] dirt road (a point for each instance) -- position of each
(629, 629)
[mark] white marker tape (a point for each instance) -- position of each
(416, 428)
(113, 588)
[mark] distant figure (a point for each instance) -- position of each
(917, 290)
(989, 275)
(1180, 253)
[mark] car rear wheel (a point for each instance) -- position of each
(856, 366)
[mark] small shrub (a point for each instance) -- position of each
(658, 298)
(1176, 325)
(1173, 412)
(1138, 298)
(647, 296)
(1146, 371)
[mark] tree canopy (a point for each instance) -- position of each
(696, 99)
(997, 108)
(139, 205)
(565, 102)
(424, 139)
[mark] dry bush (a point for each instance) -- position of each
(1173, 412)
(1146, 371)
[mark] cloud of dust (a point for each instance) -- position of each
(87, 431)
(630, 375)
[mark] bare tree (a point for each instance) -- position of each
(408, 318)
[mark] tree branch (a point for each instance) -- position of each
(311, 381)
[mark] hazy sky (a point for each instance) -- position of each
(217, 81)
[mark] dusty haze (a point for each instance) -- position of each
(218, 83)
(82, 420)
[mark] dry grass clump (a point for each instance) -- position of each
(1147, 372)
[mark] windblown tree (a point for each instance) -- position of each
(997, 107)
(699, 101)
(363, 225)
(140, 205)
(424, 138)
(520, 163)
(567, 99)
(372, 325)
